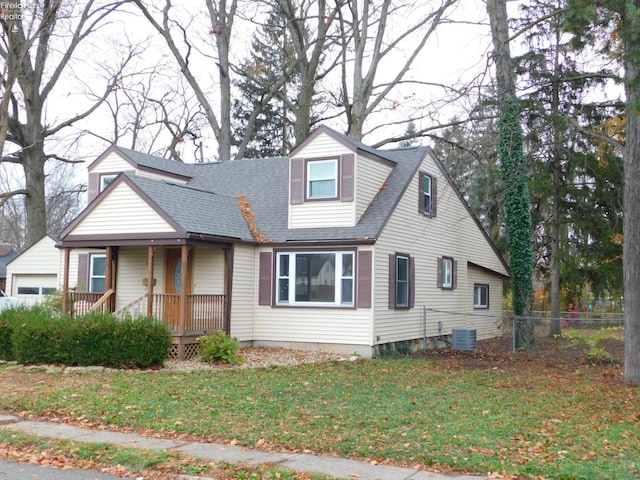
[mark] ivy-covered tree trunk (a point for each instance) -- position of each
(515, 176)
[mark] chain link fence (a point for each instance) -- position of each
(582, 336)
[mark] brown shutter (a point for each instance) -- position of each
(420, 192)
(364, 279)
(346, 177)
(439, 273)
(82, 284)
(454, 274)
(434, 197)
(264, 285)
(296, 187)
(412, 282)
(93, 186)
(392, 281)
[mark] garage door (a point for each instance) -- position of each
(33, 288)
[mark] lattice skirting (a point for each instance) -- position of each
(190, 350)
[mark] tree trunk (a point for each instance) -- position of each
(515, 174)
(223, 39)
(556, 172)
(631, 245)
(33, 161)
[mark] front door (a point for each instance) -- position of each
(173, 285)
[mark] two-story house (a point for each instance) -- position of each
(338, 246)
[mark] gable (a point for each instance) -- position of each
(115, 160)
(108, 215)
(41, 257)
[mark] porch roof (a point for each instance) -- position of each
(196, 211)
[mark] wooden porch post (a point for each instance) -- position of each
(108, 277)
(65, 281)
(228, 287)
(150, 255)
(183, 287)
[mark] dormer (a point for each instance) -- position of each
(115, 160)
(333, 179)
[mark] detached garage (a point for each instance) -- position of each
(34, 273)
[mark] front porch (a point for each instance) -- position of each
(167, 286)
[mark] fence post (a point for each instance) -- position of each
(424, 327)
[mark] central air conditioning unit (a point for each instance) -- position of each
(464, 338)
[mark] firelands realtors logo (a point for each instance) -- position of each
(10, 11)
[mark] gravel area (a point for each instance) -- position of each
(255, 357)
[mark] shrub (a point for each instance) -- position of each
(591, 340)
(220, 347)
(93, 339)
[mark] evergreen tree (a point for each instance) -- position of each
(263, 84)
(557, 120)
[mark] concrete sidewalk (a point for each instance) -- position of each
(336, 467)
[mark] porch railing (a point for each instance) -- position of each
(81, 302)
(204, 313)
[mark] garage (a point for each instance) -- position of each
(33, 274)
(33, 289)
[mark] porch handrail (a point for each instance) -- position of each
(136, 301)
(101, 300)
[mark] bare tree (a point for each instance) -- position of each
(366, 43)
(64, 197)
(221, 15)
(153, 111)
(30, 48)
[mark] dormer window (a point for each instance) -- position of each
(322, 179)
(105, 180)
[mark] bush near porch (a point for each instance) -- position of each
(38, 336)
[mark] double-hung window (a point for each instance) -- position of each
(315, 278)
(426, 188)
(97, 273)
(447, 273)
(480, 295)
(402, 281)
(322, 179)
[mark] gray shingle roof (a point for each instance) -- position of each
(197, 211)
(157, 163)
(209, 204)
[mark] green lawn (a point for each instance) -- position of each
(519, 419)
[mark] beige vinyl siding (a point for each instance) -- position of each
(42, 258)
(370, 175)
(73, 266)
(112, 163)
(313, 325)
(322, 214)
(107, 216)
(38, 266)
(487, 321)
(327, 213)
(245, 292)
(208, 271)
(452, 233)
(132, 271)
(323, 145)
